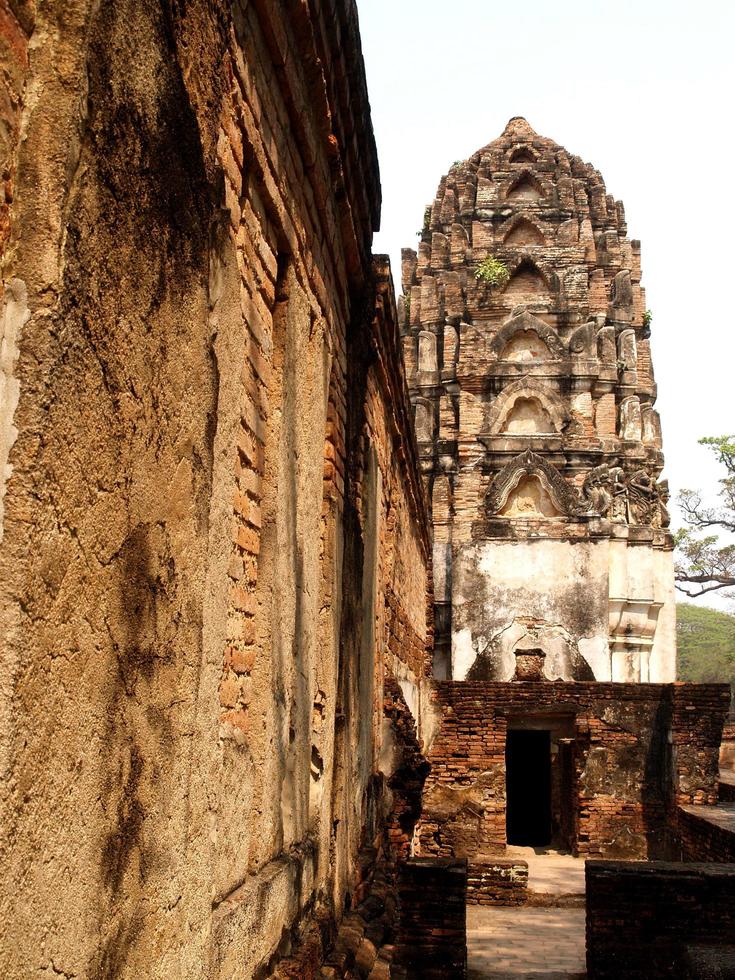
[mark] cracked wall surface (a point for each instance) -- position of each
(215, 543)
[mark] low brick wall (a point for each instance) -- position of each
(645, 919)
(432, 927)
(727, 750)
(497, 881)
(707, 833)
(727, 787)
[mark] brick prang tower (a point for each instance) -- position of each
(533, 391)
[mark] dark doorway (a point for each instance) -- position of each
(528, 788)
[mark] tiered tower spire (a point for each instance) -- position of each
(529, 362)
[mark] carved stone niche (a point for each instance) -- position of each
(529, 664)
(630, 419)
(621, 305)
(530, 487)
(542, 409)
(424, 422)
(451, 352)
(606, 345)
(628, 351)
(542, 342)
(427, 359)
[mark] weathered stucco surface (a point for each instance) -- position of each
(211, 500)
(513, 592)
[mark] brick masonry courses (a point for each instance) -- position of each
(658, 919)
(497, 882)
(707, 833)
(432, 935)
(627, 739)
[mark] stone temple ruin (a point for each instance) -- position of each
(315, 603)
(541, 454)
(535, 401)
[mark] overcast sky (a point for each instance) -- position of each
(642, 90)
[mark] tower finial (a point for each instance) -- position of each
(518, 126)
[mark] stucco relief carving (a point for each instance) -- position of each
(642, 497)
(597, 492)
(529, 486)
(523, 321)
(635, 499)
(530, 389)
(529, 464)
(583, 340)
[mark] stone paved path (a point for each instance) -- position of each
(551, 872)
(539, 943)
(532, 943)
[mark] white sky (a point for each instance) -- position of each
(642, 90)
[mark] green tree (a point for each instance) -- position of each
(706, 644)
(704, 563)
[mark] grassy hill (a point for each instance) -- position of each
(706, 640)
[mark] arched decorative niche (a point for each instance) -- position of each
(526, 347)
(523, 231)
(522, 154)
(527, 282)
(529, 500)
(520, 339)
(530, 407)
(527, 417)
(525, 188)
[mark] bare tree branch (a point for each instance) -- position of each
(706, 562)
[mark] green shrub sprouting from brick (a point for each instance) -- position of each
(647, 318)
(493, 272)
(427, 223)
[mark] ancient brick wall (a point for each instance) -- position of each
(707, 834)
(432, 935)
(646, 920)
(497, 881)
(727, 753)
(16, 25)
(214, 533)
(368, 935)
(638, 751)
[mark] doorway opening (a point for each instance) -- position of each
(528, 787)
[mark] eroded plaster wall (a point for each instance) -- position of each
(212, 501)
(566, 597)
(516, 594)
